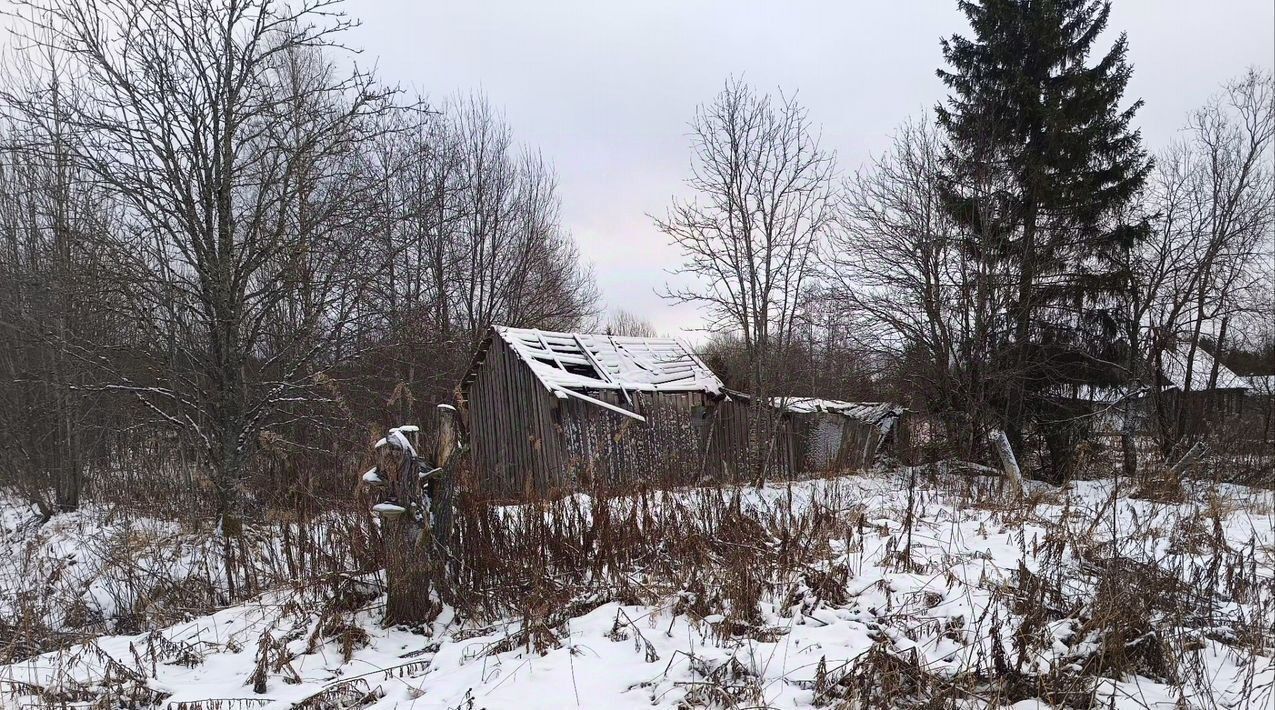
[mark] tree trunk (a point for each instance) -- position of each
(407, 571)
(1129, 442)
(443, 487)
(408, 541)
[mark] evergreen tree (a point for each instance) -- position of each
(1042, 164)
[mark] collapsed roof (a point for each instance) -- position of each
(569, 364)
(592, 361)
(882, 414)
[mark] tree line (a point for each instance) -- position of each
(227, 253)
(222, 248)
(1016, 262)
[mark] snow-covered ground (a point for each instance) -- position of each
(989, 588)
(72, 570)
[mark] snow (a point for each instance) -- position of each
(620, 656)
(1263, 385)
(388, 508)
(1174, 366)
(871, 412)
(396, 439)
(590, 361)
(88, 571)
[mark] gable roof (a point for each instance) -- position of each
(1261, 384)
(593, 361)
(1173, 368)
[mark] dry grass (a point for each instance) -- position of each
(88, 574)
(1143, 581)
(1127, 588)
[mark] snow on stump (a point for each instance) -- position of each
(405, 514)
(388, 510)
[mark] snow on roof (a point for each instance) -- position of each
(590, 361)
(1174, 364)
(864, 411)
(1261, 384)
(1096, 394)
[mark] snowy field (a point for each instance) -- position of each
(945, 592)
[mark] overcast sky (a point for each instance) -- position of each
(605, 89)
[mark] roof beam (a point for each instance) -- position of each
(597, 365)
(600, 403)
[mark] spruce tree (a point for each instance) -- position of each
(1042, 163)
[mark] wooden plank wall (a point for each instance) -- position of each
(825, 443)
(729, 442)
(611, 450)
(527, 442)
(517, 450)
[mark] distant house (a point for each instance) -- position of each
(1193, 396)
(1261, 390)
(549, 412)
(1198, 376)
(1199, 397)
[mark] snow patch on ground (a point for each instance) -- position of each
(968, 564)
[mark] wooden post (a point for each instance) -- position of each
(1179, 469)
(442, 488)
(1008, 462)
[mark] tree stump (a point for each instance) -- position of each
(405, 532)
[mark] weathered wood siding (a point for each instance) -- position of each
(611, 450)
(527, 442)
(517, 449)
(826, 442)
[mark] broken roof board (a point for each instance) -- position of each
(585, 361)
(865, 411)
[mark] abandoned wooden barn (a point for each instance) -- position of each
(549, 412)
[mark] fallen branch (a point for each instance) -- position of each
(1196, 453)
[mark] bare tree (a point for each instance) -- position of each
(763, 201)
(420, 205)
(52, 222)
(1213, 198)
(919, 290)
(470, 227)
(1232, 202)
(227, 153)
(515, 265)
(624, 322)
